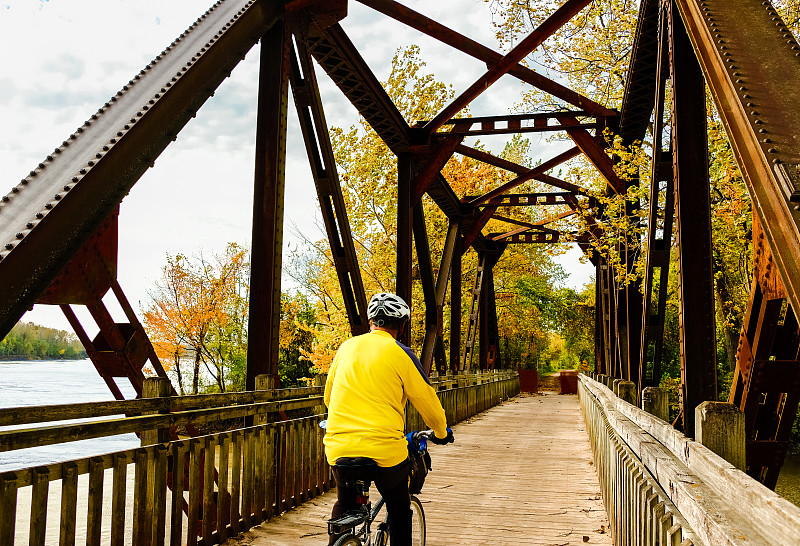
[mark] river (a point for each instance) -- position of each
(43, 382)
(36, 383)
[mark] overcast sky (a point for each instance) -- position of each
(62, 59)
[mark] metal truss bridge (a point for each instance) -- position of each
(58, 225)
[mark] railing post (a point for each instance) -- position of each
(720, 427)
(319, 381)
(627, 391)
(8, 506)
(264, 382)
(156, 387)
(614, 386)
(656, 402)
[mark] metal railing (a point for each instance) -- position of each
(662, 488)
(198, 490)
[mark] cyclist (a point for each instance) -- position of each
(369, 381)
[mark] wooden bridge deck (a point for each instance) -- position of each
(519, 473)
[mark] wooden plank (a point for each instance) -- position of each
(223, 497)
(94, 518)
(236, 481)
(179, 452)
(159, 494)
(118, 500)
(209, 510)
(39, 501)
(195, 493)
(55, 434)
(8, 506)
(69, 503)
(58, 412)
(141, 530)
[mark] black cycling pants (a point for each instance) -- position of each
(392, 484)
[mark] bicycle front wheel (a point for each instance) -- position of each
(348, 540)
(417, 522)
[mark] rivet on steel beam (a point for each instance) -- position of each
(23, 181)
(29, 225)
(145, 107)
(41, 165)
(138, 114)
(745, 96)
(158, 96)
(39, 215)
(79, 130)
(750, 104)
(126, 127)
(762, 130)
(773, 150)
(9, 246)
(74, 178)
(758, 122)
(82, 171)
(57, 197)
(32, 173)
(113, 141)
(65, 143)
(48, 206)
(15, 189)
(5, 199)
(98, 155)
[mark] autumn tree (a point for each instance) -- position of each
(198, 310)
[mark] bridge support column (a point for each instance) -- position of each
(720, 427)
(267, 246)
(655, 402)
(692, 208)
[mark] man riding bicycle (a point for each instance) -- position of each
(370, 379)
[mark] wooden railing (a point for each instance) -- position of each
(225, 483)
(660, 487)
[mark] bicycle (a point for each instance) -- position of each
(354, 526)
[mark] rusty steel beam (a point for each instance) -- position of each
(593, 147)
(640, 84)
(750, 63)
(470, 47)
(270, 170)
(693, 221)
(526, 237)
(430, 170)
(533, 40)
(513, 124)
(529, 175)
(455, 302)
(658, 247)
(55, 209)
(329, 191)
(488, 158)
(530, 199)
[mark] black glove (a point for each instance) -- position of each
(442, 441)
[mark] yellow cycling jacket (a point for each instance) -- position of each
(370, 379)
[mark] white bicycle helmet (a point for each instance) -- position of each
(388, 305)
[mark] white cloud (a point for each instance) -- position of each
(62, 59)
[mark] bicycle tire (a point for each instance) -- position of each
(348, 540)
(417, 523)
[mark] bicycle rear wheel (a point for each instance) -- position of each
(417, 522)
(348, 540)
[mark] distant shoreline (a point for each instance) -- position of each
(18, 358)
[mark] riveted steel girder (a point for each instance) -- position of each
(57, 207)
(751, 64)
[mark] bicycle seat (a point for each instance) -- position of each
(350, 469)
